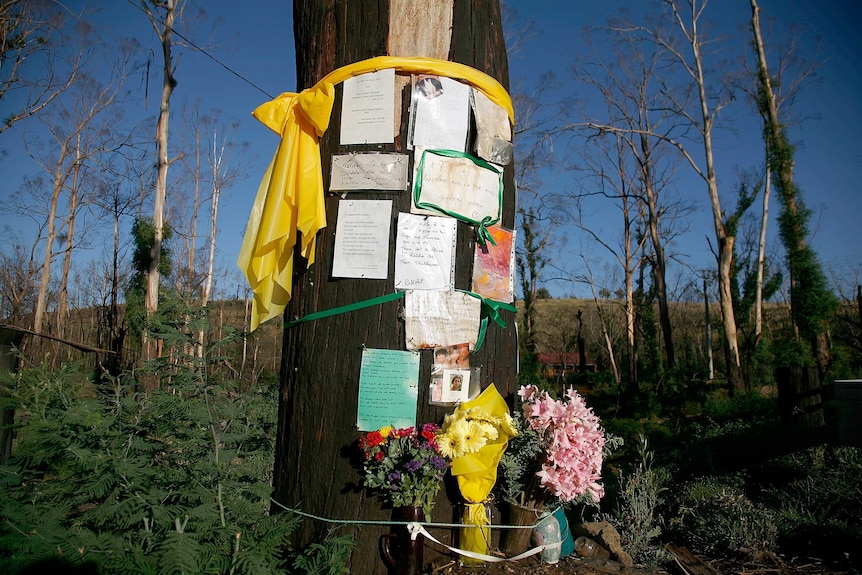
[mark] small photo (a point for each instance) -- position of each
(456, 385)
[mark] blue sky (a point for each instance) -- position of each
(258, 44)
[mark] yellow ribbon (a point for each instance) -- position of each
(289, 202)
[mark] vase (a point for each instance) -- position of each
(568, 543)
(402, 554)
(516, 541)
(549, 534)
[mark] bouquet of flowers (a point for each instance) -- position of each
(474, 437)
(557, 455)
(404, 464)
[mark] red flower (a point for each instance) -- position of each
(405, 432)
(379, 455)
(373, 439)
(428, 435)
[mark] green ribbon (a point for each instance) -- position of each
(346, 308)
(482, 232)
(490, 310)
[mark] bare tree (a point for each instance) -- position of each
(83, 127)
(162, 15)
(31, 33)
(688, 56)
(636, 170)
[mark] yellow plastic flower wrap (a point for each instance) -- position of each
(474, 437)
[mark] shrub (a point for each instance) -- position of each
(716, 517)
(637, 516)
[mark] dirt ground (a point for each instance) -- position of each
(697, 566)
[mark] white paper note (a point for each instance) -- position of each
(440, 113)
(368, 108)
(425, 252)
(369, 172)
(459, 186)
(440, 319)
(362, 239)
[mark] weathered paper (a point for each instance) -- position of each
(362, 239)
(440, 319)
(388, 389)
(440, 113)
(493, 130)
(425, 252)
(368, 108)
(386, 172)
(459, 186)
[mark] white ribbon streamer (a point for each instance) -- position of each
(416, 528)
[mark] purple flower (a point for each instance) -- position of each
(394, 477)
(412, 465)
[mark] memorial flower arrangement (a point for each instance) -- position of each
(468, 430)
(474, 436)
(557, 456)
(405, 465)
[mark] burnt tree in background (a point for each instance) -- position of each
(321, 359)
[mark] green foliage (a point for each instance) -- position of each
(519, 462)
(638, 513)
(143, 236)
(177, 481)
(716, 517)
(817, 495)
(327, 558)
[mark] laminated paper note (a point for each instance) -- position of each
(362, 239)
(494, 266)
(440, 319)
(425, 252)
(440, 113)
(458, 186)
(386, 172)
(388, 389)
(368, 108)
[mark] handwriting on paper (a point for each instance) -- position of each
(387, 172)
(424, 252)
(388, 389)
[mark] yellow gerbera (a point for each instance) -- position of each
(385, 431)
(475, 437)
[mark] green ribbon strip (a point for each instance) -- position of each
(490, 310)
(482, 232)
(346, 308)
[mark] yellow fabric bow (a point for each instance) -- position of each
(289, 200)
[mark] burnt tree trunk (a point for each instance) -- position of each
(314, 471)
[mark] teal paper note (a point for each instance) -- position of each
(388, 389)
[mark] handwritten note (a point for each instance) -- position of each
(369, 172)
(368, 108)
(425, 252)
(440, 319)
(362, 239)
(459, 186)
(388, 389)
